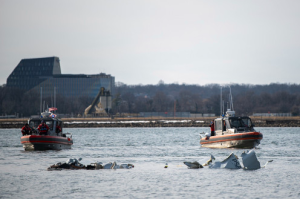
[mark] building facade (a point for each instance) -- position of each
(31, 72)
(44, 75)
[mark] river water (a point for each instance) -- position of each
(24, 174)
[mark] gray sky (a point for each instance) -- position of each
(144, 41)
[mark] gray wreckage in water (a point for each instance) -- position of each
(74, 164)
(249, 162)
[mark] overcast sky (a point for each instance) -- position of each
(145, 41)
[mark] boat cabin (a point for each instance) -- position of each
(232, 124)
(51, 122)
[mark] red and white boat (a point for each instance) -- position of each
(232, 131)
(52, 140)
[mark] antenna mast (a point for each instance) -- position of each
(231, 100)
(221, 103)
(41, 100)
(54, 98)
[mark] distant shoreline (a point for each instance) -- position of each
(151, 122)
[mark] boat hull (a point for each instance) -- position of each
(45, 142)
(238, 140)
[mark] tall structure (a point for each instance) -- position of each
(31, 72)
(105, 99)
(102, 107)
(45, 73)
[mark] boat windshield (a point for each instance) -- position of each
(240, 122)
(50, 124)
(36, 123)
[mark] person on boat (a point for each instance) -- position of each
(57, 129)
(43, 128)
(224, 125)
(212, 128)
(26, 130)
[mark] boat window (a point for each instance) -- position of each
(60, 124)
(50, 124)
(34, 123)
(218, 125)
(227, 125)
(235, 123)
(238, 122)
(247, 122)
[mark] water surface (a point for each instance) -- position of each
(23, 174)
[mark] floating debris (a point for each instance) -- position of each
(212, 158)
(193, 165)
(231, 162)
(249, 162)
(74, 164)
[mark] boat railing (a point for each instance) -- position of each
(34, 131)
(232, 130)
(69, 135)
(202, 134)
(244, 129)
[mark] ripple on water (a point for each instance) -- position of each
(149, 149)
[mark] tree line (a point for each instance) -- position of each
(247, 99)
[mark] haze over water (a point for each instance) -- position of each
(23, 174)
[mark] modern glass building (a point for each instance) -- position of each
(45, 73)
(31, 72)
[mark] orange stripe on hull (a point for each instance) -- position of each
(52, 142)
(247, 137)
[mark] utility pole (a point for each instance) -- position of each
(174, 108)
(41, 100)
